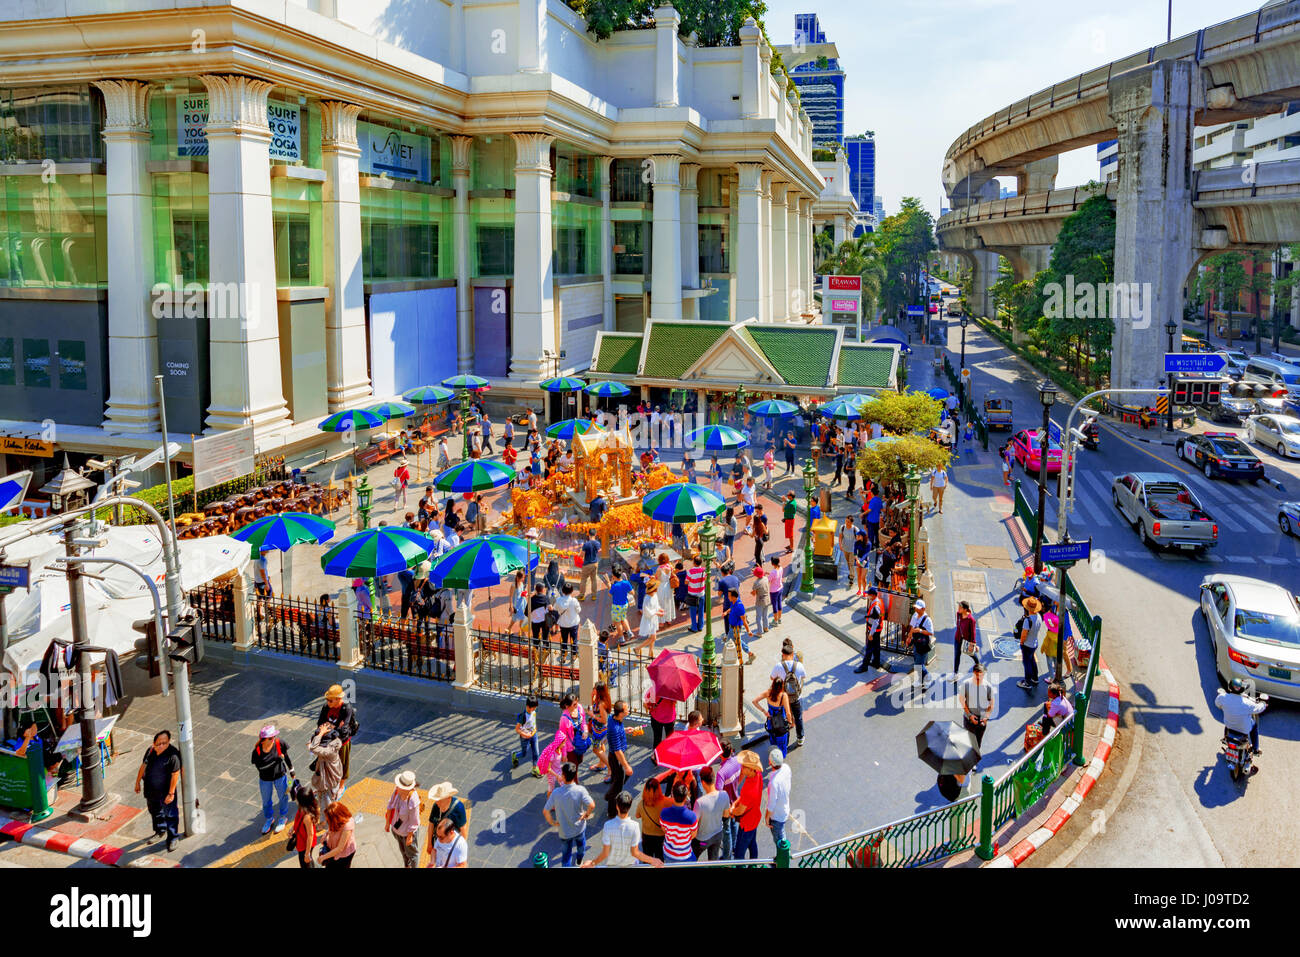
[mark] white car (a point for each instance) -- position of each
(1254, 629)
(1281, 433)
(1235, 362)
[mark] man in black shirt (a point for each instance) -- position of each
(160, 772)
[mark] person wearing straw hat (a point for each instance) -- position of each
(1027, 630)
(402, 818)
(343, 718)
(445, 805)
(747, 810)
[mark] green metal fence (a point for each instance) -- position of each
(1026, 512)
(912, 842)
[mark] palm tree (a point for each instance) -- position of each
(823, 248)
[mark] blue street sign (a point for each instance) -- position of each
(1203, 362)
(1067, 552)
(14, 576)
(916, 310)
(1054, 432)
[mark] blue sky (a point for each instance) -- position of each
(919, 72)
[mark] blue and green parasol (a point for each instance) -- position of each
(350, 421)
(481, 562)
(428, 395)
(682, 502)
(717, 438)
(607, 390)
(774, 408)
(465, 381)
(562, 383)
(392, 410)
(567, 428)
(476, 475)
(377, 551)
(845, 407)
(281, 532)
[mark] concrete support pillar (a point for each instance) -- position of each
(461, 147)
(841, 230)
(533, 321)
(132, 329)
(803, 253)
(748, 263)
(752, 81)
(765, 245)
(243, 316)
(463, 648)
(533, 17)
(1038, 176)
(350, 658)
(984, 273)
(1155, 224)
(666, 277)
(666, 63)
(606, 242)
(781, 273)
(730, 725)
(587, 660)
(241, 590)
(345, 309)
(794, 225)
(690, 219)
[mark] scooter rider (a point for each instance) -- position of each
(1240, 711)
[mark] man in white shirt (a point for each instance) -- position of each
(938, 485)
(620, 839)
(532, 419)
(1240, 711)
(778, 795)
(921, 640)
(569, 610)
(749, 494)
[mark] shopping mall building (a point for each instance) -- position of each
(292, 208)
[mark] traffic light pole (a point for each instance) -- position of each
(1065, 477)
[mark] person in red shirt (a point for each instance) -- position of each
(747, 810)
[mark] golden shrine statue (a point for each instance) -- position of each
(602, 462)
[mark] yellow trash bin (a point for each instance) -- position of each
(824, 537)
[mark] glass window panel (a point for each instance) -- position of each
(8, 369)
(296, 216)
(492, 163)
(36, 363)
(402, 235)
(72, 364)
(628, 182)
(180, 211)
(56, 123)
(53, 233)
(632, 248)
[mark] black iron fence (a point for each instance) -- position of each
(895, 628)
(418, 647)
(515, 664)
(214, 603)
(295, 626)
(624, 670)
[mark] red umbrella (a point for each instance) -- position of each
(688, 750)
(675, 674)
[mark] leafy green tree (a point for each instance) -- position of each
(904, 241)
(887, 462)
(902, 413)
(1084, 251)
(1222, 278)
(1257, 283)
(823, 248)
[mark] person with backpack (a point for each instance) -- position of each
(1026, 631)
(875, 626)
(274, 768)
(575, 729)
(921, 640)
(779, 718)
(792, 674)
(343, 718)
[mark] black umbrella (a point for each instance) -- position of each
(947, 747)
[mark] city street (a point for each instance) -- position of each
(1156, 643)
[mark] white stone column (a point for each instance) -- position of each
(808, 281)
(751, 77)
(765, 245)
(690, 217)
(533, 320)
(841, 232)
(243, 320)
(747, 258)
(345, 308)
(667, 21)
(666, 276)
(781, 272)
(132, 330)
(460, 154)
(533, 17)
(607, 241)
(1155, 223)
(794, 250)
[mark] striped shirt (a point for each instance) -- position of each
(680, 825)
(695, 580)
(617, 740)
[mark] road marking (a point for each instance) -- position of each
(1276, 560)
(1238, 559)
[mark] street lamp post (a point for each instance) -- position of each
(710, 691)
(1275, 309)
(809, 487)
(1170, 328)
(912, 480)
(964, 323)
(1047, 395)
(464, 418)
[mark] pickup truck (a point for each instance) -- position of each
(1165, 512)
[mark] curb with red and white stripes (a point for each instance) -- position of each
(51, 840)
(1021, 851)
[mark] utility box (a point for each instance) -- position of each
(824, 564)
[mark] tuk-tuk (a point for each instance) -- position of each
(997, 411)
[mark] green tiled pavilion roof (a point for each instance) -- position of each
(865, 367)
(619, 353)
(676, 346)
(802, 356)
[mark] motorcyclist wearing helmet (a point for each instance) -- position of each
(1239, 711)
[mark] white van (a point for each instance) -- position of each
(1280, 375)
